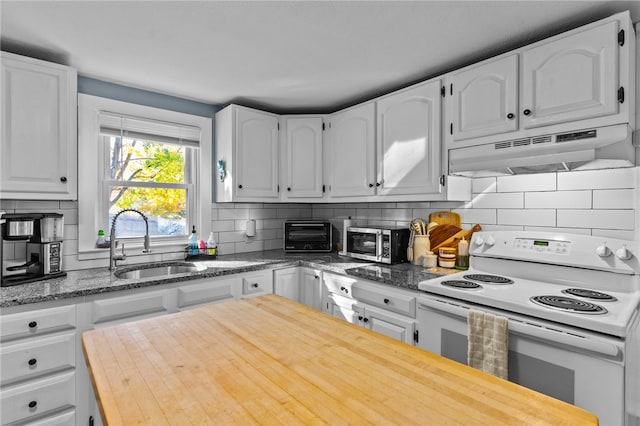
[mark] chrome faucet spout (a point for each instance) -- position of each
(113, 258)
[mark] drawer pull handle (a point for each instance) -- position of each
(386, 301)
(344, 289)
(33, 324)
(32, 362)
(255, 285)
(33, 404)
(365, 319)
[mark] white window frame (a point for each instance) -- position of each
(91, 151)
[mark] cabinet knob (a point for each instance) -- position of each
(527, 112)
(510, 116)
(33, 324)
(255, 285)
(33, 404)
(288, 189)
(365, 319)
(386, 300)
(370, 185)
(32, 362)
(378, 184)
(63, 179)
(360, 317)
(317, 276)
(240, 186)
(344, 289)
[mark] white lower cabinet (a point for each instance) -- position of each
(301, 284)
(380, 308)
(286, 283)
(38, 364)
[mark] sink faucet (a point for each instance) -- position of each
(113, 258)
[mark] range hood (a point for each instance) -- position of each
(595, 148)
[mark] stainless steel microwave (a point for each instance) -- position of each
(378, 244)
(308, 236)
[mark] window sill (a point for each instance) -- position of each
(159, 251)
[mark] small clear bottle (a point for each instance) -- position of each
(193, 242)
(102, 241)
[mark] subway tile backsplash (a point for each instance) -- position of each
(600, 202)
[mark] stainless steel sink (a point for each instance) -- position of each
(155, 270)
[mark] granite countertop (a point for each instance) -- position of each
(100, 280)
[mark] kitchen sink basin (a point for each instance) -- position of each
(155, 270)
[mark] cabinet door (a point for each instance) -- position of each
(310, 288)
(38, 151)
(350, 159)
(409, 139)
(485, 99)
(389, 324)
(256, 154)
(286, 283)
(343, 308)
(571, 78)
(303, 158)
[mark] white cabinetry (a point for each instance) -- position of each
(302, 158)
(580, 79)
(300, 284)
(38, 365)
(247, 145)
(485, 99)
(256, 283)
(350, 154)
(571, 78)
(38, 151)
(385, 310)
(408, 145)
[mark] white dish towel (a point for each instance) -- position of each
(488, 347)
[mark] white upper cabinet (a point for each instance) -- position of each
(38, 151)
(409, 139)
(302, 157)
(571, 78)
(247, 146)
(485, 99)
(350, 153)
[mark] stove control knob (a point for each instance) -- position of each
(479, 241)
(490, 241)
(623, 253)
(603, 250)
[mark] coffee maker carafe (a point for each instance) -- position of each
(43, 249)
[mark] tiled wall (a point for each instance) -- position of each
(602, 202)
(228, 225)
(598, 202)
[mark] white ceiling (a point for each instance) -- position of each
(289, 56)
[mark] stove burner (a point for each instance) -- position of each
(589, 294)
(568, 304)
(461, 284)
(489, 279)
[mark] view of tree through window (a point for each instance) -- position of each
(150, 177)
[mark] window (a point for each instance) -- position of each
(146, 159)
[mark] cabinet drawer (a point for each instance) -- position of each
(35, 323)
(155, 302)
(36, 357)
(63, 419)
(257, 284)
(338, 284)
(37, 398)
(401, 303)
(208, 292)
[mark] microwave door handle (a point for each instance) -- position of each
(378, 246)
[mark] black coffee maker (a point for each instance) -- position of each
(44, 233)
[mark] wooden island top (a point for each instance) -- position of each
(270, 361)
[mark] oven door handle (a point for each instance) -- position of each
(539, 332)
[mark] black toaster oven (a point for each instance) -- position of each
(308, 236)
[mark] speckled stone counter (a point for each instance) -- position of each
(101, 280)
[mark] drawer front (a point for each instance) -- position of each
(205, 293)
(338, 284)
(133, 305)
(401, 303)
(36, 357)
(64, 419)
(257, 284)
(37, 398)
(35, 323)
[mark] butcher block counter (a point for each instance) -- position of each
(269, 360)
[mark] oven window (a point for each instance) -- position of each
(307, 232)
(530, 372)
(361, 243)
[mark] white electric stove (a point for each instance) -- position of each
(572, 302)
